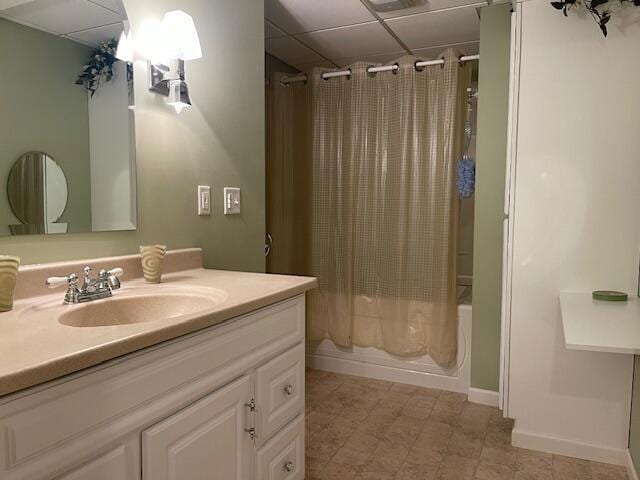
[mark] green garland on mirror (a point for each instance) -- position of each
(100, 66)
(600, 10)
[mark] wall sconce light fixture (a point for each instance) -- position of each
(165, 46)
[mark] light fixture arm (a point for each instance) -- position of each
(161, 75)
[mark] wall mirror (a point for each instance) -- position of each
(67, 119)
(37, 191)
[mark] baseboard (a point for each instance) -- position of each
(631, 468)
(569, 448)
(483, 397)
(383, 372)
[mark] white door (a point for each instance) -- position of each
(205, 441)
(117, 464)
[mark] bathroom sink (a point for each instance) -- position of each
(139, 308)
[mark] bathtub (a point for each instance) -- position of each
(418, 370)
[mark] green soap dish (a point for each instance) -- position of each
(609, 296)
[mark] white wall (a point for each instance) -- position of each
(112, 155)
(577, 205)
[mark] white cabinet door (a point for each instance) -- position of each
(280, 391)
(117, 464)
(205, 441)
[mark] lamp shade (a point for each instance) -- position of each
(125, 47)
(152, 43)
(181, 36)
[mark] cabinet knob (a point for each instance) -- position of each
(288, 389)
(288, 466)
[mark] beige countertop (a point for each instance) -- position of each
(37, 348)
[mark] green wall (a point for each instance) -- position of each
(493, 88)
(219, 142)
(43, 110)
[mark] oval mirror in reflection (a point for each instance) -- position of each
(37, 191)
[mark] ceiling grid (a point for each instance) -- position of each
(85, 21)
(336, 33)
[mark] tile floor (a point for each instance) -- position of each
(363, 429)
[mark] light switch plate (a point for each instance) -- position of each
(204, 200)
(231, 200)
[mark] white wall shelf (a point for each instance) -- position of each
(600, 326)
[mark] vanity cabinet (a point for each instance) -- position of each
(226, 403)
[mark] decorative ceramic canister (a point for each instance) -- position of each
(152, 256)
(8, 275)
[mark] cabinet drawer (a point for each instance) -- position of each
(280, 391)
(282, 458)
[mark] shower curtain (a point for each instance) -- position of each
(370, 171)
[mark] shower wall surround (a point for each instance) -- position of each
(220, 142)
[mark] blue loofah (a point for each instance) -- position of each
(466, 177)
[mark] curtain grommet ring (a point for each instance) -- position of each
(461, 62)
(371, 74)
(443, 62)
(417, 67)
(397, 69)
(350, 72)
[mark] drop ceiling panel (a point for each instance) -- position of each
(297, 16)
(271, 31)
(437, 28)
(5, 4)
(431, 6)
(62, 16)
(357, 40)
(291, 51)
(96, 35)
(113, 5)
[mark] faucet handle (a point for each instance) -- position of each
(53, 282)
(116, 272)
(112, 277)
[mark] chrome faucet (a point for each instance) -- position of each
(91, 289)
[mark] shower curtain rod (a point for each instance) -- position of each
(385, 68)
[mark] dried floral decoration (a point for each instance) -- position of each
(600, 10)
(100, 67)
